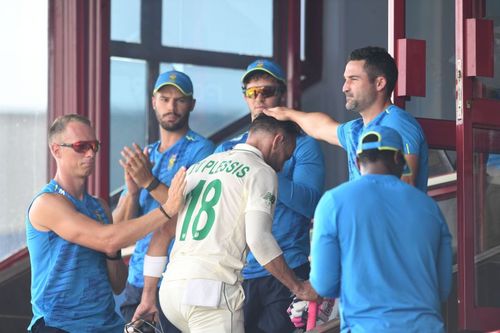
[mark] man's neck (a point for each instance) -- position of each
(169, 138)
(371, 113)
(73, 185)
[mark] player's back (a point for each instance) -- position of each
(210, 239)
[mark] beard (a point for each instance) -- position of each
(352, 105)
(181, 123)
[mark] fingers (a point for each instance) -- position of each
(279, 112)
(137, 164)
(179, 179)
(175, 197)
(134, 158)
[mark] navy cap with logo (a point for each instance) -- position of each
(387, 139)
(268, 66)
(177, 79)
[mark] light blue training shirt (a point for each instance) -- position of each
(70, 288)
(382, 247)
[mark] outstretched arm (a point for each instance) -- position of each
(56, 213)
(316, 124)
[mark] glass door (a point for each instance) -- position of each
(478, 141)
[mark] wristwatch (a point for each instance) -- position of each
(154, 184)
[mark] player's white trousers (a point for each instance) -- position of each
(225, 317)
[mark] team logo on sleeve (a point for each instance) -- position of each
(269, 198)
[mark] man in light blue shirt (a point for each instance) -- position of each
(381, 246)
(148, 173)
(370, 77)
(300, 185)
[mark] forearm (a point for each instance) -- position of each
(301, 189)
(120, 235)
(317, 125)
(126, 208)
(280, 270)
(161, 238)
(117, 273)
(160, 193)
(150, 289)
(298, 197)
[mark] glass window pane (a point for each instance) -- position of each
(23, 115)
(442, 167)
(219, 100)
(129, 106)
(425, 20)
(449, 209)
(242, 27)
(490, 86)
(441, 162)
(126, 20)
(486, 196)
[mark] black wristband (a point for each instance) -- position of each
(118, 256)
(154, 184)
(165, 213)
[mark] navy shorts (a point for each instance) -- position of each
(266, 302)
(40, 327)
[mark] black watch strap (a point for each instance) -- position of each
(154, 184)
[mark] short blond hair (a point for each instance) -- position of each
(60, 124)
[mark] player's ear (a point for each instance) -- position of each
(278, 141)
(380, 82)
(54, 149)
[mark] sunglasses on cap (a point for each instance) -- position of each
(82, 147)
(265, 91)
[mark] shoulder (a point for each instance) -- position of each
(229, 144)
(307, 145)
(195, 137)
(46, 207)
(351, 124)
(153, 146)
(348, 190)
(396, 114)
(263, 174)
(350, 128)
